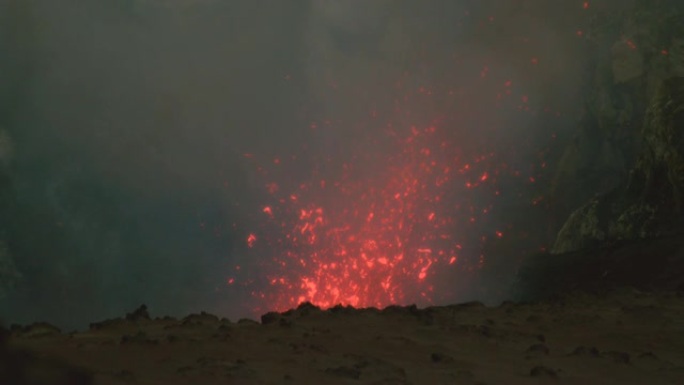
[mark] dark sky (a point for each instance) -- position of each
(125, 125)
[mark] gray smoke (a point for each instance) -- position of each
(126, 124)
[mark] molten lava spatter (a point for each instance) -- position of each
(389, 217)
(375, 233)
(401, 199)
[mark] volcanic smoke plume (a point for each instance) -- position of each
(243, 157)
(422, 130)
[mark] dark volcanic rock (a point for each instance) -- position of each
(543, 371)
(270, 317)
(624, 119)
(108, 324)
(339, 309)
(618, 357)
(306, 308)
(441, 358)
(124, 376)
(650, 201)
(38, 329)
(138, 314)
(285, 323)
(585, 351)
(538, 349)
(200, 319)
(138, 338)
(4, 336)
(24, 368)
(468, 305)
(344, 372)
(395, 309)
(650, 264)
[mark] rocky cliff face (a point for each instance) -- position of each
(625, 167)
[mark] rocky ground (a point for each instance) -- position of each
(589, 328)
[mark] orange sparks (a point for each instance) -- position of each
(423, 271)
(361, 229)
(251, 238)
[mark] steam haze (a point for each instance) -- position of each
(134, 133)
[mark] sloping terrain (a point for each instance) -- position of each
(621, 337)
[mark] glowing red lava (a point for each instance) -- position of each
(392, 216)
(377, 232)
(406, 200)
